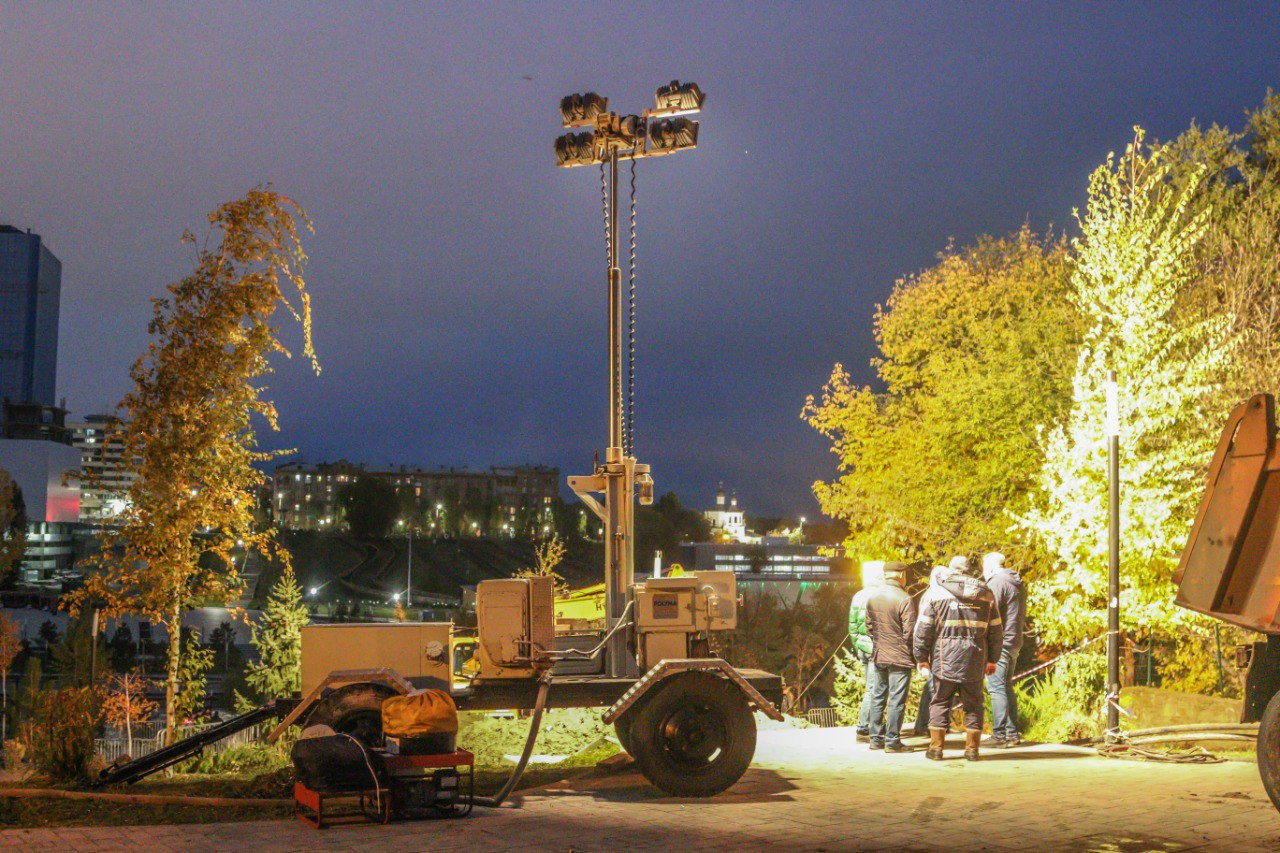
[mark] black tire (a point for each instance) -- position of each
(1269, 750)
(355, 710)
(695, 735)
(622, 727)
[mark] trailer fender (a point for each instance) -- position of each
(667, 668)
(384, 676)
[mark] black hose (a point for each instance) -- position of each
(534, 724)
(1189, 728)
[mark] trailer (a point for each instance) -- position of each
(1230, 567)
(685, 715)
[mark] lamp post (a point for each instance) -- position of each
(655, 132)
(1113, 554)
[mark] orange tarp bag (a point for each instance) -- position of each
(426, 712)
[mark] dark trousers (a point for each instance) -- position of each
(970, 693)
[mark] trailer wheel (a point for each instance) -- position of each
(695, 735)
(623, 730)
(355, 709)
(1269, 749)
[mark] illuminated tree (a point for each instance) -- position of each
(1133, 262)
(278, 640)
(975, 354)
(10, 645)
(189, 425)
(126, 703)
(547, 558)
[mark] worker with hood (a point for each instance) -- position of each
(958, 638)
(926, 691)
(1011, 599)
(872, 575)
(891, 619)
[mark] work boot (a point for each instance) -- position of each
(972, 737)
(937, 738)
(862, 737)
(898, 747)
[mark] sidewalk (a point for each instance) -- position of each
(809, 789)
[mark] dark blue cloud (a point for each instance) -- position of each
(458, 277)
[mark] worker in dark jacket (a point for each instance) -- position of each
(957, 639)
(1011, 600)
(891, 619)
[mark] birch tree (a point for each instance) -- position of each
(126, 703)
(189, 424)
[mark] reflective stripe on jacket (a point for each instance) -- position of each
(959, 630)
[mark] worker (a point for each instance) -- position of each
(872, 574)
(926, 691)
(957, 639)
(891, 618)
(1011, 598)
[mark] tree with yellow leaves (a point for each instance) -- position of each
(126, 703)
(188, 426)
(547, 558)
(10, 644)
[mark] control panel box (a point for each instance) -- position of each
(516, 620)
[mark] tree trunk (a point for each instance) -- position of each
(4, 706)
(171, 682)
(128, 729)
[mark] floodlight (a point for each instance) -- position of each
(678, 99)
(579, 109)
(673, 134)
(576, 149)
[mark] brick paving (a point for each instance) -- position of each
(808, 790)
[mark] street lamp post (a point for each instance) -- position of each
(1113, 554)
(656, 132)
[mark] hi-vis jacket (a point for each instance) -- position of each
(959, 629)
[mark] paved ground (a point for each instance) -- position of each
(808, 790)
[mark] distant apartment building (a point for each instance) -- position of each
(106, 482)
(446, 500)
(30, 290)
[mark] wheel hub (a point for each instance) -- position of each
(693, 735)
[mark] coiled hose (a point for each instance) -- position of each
(497, 799)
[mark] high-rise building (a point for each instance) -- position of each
(30, 289)
(106, 482)
(35, 445)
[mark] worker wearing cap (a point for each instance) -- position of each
(872, 574)
(958, 639)
(891, 617)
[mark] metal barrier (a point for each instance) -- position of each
(826, 718)
(111, 748)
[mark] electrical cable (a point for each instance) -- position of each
(561, 654)
(544, 686)
(604, 208)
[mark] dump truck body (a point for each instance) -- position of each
(1230, 568)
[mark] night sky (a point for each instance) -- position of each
(458, 277)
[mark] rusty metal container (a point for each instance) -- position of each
(1230, 568)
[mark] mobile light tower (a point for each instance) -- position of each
(656, 132)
